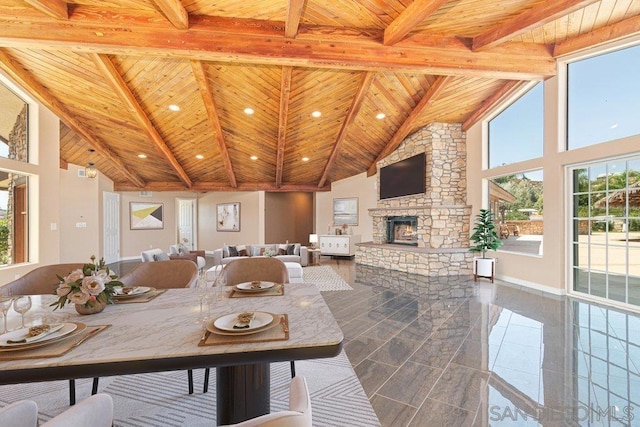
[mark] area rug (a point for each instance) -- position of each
(325, 278)
(161, 399)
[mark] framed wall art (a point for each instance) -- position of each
(228, 217)
(146, 215)
(345, 211)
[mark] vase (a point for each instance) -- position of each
(96, 307)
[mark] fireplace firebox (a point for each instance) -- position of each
(402, 230)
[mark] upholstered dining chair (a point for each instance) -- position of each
(19, 414)
(40, 281)
(94, 411)
(249, 269)
(298, 415)
(179, 273)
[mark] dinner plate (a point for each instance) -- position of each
(137, 291)
(274, 322)
(260, 320)
(248, 287)
(18, 334)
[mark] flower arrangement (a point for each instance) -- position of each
(269, 252)
(91, 285)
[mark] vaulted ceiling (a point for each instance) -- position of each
(110, 69)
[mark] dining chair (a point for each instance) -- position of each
(40, 281)
(249, 269)
(298, 415)
(161, 275)
(19, 414)
(94, 411)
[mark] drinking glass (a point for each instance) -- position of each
(5, 305)
(203, 297)
(22, 305)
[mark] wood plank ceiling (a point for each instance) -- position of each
(110, 70)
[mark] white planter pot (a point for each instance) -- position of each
(484, 267)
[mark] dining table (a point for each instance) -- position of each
(168, 333)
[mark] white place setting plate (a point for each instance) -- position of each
(224, 324)
(19, 334)
(254, 287)
(134, 292)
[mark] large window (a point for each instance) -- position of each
(603, 98)
(517, 203)
(606, 230)
(516, 133)
(14, 192)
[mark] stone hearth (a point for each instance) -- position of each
(443, 217)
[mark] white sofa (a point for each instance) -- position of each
(152, 255)
(297, 254)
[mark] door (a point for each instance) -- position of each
(111, 218)
(187, 209)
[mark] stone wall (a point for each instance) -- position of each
(443, 216)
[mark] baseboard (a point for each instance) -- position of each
(532, 285)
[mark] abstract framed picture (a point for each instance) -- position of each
(345, 211)
(146, 216)
(228, 217)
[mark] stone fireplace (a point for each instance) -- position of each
(428, 233)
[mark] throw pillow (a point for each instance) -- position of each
(282, 249)
(242, 250)
(161, 257)
(233, 251)
(290, 249)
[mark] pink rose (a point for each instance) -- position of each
(73, 276)
(92, 285)
(78, 297)
(63, 290)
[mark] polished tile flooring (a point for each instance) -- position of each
(453, 352)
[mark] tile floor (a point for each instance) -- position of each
(451, 352)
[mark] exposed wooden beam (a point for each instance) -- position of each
(535, 17)
(117, 83)
(221, 186)
(240, 42)
(488, 104)
(214, 119)
(57, 9)
(24, 79)
(429, 97)
(414, 14)
(294, 13)
(174, 12)
(356, 104)
(285, 92)
(610, 33)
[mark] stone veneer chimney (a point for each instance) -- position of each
(443, 215)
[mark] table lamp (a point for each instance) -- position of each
(313, 239)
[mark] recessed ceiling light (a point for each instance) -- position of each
(305, 159)
(316, 114)
(380, 116)
(199, 156)
(248, 111)
(254, 157)
(174, 107)
(142, 156)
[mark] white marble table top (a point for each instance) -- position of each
(167, 328)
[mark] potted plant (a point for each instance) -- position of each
(484, 238)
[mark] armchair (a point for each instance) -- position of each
(196, 256)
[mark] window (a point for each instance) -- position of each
(606, 230)
(517, 203)
(516, 134)
(14, 219)
(603, 94)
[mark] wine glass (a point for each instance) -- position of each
(5, 305)
(22, 305)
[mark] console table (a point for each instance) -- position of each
(340, 245)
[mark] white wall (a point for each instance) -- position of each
(360, 186)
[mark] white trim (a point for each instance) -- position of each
(532, 285)
(604, 301)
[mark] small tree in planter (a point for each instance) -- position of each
(484, 238)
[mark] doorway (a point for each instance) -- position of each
(187, 220)
(111, 236)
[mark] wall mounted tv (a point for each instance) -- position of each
(403, 178)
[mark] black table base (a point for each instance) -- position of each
(242, 392)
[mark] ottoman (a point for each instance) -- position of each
(295, 272)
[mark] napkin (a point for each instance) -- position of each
(244, 320)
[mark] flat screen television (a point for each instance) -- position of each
(403, 178)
